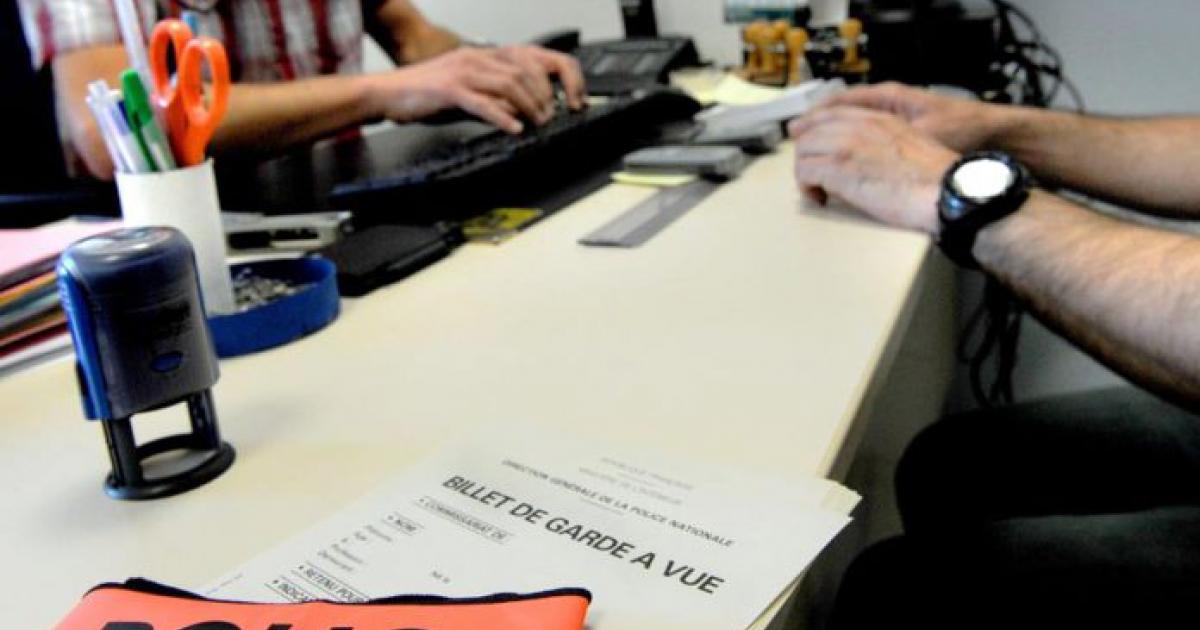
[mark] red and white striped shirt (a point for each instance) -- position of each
(267, 40)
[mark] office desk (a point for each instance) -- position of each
(747, 334)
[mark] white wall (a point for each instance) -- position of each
(704, 21)
(520, 20)
(1128, 57)
(505, 21)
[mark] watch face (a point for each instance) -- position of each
(983, 179)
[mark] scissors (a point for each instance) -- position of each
(190, 121)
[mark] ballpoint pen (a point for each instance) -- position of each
(100, 113)
(106, 108)
(128, 143)
(143, 124)
(192, 20)
(131, 35)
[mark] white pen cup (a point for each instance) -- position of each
(185, 199)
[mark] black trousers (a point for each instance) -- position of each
(1076, 512)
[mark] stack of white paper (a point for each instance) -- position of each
(659, 543)
(790, 104)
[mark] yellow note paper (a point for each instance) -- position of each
(653, 180)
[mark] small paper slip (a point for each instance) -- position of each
(660, 543)
(734, 90)
(713, 87)
(652, 180)
(789, 104)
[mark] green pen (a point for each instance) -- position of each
(140, 114)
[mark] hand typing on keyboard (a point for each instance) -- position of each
(449, 177)
(541, 64)
(499, 85)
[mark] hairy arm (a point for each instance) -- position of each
(272, 116)
(410, 37)
(264, 117)
(498, 86)
(1128, 295)
(1150, 164)
(72, 73)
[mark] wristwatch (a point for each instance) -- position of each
(978, 190)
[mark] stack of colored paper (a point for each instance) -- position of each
(32, 323)
(29, 313)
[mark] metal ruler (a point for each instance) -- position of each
(642, 222)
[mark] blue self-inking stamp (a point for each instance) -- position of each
(133, 305)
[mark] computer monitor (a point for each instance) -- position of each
(639, 17)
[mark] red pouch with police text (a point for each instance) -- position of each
(143, 605)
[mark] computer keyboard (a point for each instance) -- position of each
(473, 174)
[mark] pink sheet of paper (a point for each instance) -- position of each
(19, 248)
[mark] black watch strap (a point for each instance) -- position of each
(963, 217)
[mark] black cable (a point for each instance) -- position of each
(1031, 72)
(991, 339)
(1034, 67)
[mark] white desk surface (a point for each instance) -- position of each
(745, 334)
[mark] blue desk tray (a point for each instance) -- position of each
(285, 320)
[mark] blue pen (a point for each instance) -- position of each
(100, 113)
(128, 142)
(192, 20)
(122, 146)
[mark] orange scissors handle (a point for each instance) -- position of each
(168, 35)
(201, 118)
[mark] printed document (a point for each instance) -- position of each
(660, 543)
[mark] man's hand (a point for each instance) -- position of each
(540, 63)
(874, 161)
(499, 86)
(960, 124)
(475, 80)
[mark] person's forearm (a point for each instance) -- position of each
(429, 41)
(413, 38)
(1148, 164)
(274, 116)
(1128, 295)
